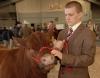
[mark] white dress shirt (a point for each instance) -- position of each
(74, 27)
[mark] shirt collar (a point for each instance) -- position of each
(74, 27)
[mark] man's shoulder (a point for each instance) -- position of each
(63, 31)
(88, 32)
(84, 28)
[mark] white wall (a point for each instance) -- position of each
(37, 11)
(28, 6)
(6, 18)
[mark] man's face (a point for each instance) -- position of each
(72, 16)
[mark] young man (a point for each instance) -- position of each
(81, 47)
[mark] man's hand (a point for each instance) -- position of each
(58, 44)
(57, 53)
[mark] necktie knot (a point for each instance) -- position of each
(70, 30)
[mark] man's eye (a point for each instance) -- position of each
(70, 14)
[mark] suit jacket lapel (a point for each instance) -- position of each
(75, 34)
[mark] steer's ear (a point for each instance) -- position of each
(19, 41)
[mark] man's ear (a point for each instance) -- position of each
(18, 41)
(81, 14)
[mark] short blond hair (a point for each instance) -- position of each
(75, 4)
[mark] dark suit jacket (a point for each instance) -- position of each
(79, 54)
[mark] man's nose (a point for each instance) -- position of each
(67, 18)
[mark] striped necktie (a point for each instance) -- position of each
(69, 33)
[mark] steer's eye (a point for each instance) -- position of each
(44, 60)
